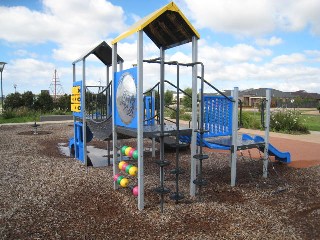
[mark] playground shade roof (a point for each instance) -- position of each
(104, 52)
(167, 27)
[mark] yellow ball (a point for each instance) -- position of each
(133, 171)
(126, 152)
(120, 164)
(124, 182)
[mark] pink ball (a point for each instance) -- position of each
(124, 166)
(131, 152)
(135, 191)
(115, 177)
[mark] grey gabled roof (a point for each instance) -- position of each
(104, 52)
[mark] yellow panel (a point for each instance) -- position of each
(75, 98)
(75, 107)
(76, 90)
(141, 24)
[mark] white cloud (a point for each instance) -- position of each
(289, 59)
(269, 42)
(237, 53)
(69, 24)
(28, 74)
(254, 18)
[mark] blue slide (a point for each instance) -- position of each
(284, 157)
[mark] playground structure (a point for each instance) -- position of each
(215, 127)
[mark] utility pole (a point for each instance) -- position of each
(56, 89)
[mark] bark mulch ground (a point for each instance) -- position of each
(46, 195)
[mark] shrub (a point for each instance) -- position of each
(250, 121)
(287, 121)
(19, 113)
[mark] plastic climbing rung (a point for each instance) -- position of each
(162, 163)
(162, 190)
(177, 171)
(177, 196)
(200, 182)
(201, 156)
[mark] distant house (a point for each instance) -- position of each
(252, 97)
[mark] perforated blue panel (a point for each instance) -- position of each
(217, 117)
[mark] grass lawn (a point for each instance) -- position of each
(312, 121)
(19, 119)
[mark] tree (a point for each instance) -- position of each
(187, 100)
(44, 102)
(28, 99)
(13, 101)
(64, 102)
(168, 96)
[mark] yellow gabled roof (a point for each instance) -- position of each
(167, 27)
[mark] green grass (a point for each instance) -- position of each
(29, 117)
(19, 119)
(312, 122)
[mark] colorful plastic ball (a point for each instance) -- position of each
(135, 191)
(131, 152)
(127, 151)
(135, 154)
(119, 179)
(115, 177)
(123, 168)
(128, 167)
(123, 149)
(133, 171)
(124, 182)
(120, 164)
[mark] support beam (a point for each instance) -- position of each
(140, 116)
(114, 131)
(266, 133)
(83, 109)
(194, 117)
(74, 118)
(234, 136)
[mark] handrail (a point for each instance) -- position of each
(104, 88)
(230, 99)
(177, 88)
(151, 89)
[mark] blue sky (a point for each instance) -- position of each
(248, 44)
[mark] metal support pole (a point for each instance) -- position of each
(83, 110)
(74, 118)
(153, 100)
(194, 117)
(140, 110)
(234, 137)
(1, 95)
(266, 134)
(114, 130)
(108, 91)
